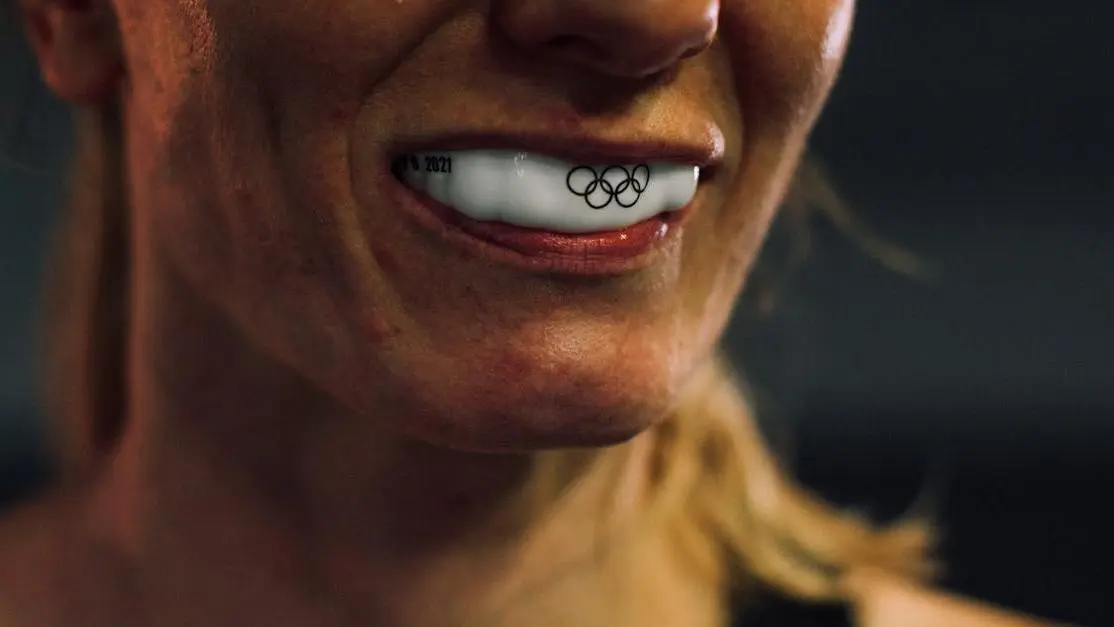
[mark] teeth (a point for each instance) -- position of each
(536, 191)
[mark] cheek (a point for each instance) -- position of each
(333, 50)
(786, 54)
(777, 64)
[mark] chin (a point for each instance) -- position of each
(547, 425)
(493, 405)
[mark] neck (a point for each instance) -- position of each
(241, 494)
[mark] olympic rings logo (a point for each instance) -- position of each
(614, 184)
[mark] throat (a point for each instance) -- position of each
(491, 537)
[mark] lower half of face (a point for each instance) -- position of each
(366, 216)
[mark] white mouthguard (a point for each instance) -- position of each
(541, 192)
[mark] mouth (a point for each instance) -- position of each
(579, 209)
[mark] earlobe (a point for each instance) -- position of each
(77, 44)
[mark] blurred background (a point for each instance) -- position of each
(977, 135)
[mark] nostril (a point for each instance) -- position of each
(563, 41)
(628, 38)
(578, 47)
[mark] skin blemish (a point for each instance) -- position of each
(386, 260)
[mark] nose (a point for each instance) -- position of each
(626, 38)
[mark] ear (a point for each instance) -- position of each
(78, 47)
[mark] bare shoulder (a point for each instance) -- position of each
(887, 601)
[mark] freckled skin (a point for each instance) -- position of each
(296, 345)
(261, 129)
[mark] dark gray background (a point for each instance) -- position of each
(977, 134)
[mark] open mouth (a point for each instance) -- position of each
(545, 208)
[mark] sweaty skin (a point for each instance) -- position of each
(330, 405)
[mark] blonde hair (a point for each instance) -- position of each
(718, 490)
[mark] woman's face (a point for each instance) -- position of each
(262, 135)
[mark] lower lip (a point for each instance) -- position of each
(588, 254)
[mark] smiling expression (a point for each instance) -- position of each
(262, 133)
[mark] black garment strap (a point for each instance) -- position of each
(774, 610)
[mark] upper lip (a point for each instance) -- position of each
(706, 153)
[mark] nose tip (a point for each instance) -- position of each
(627, 38)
